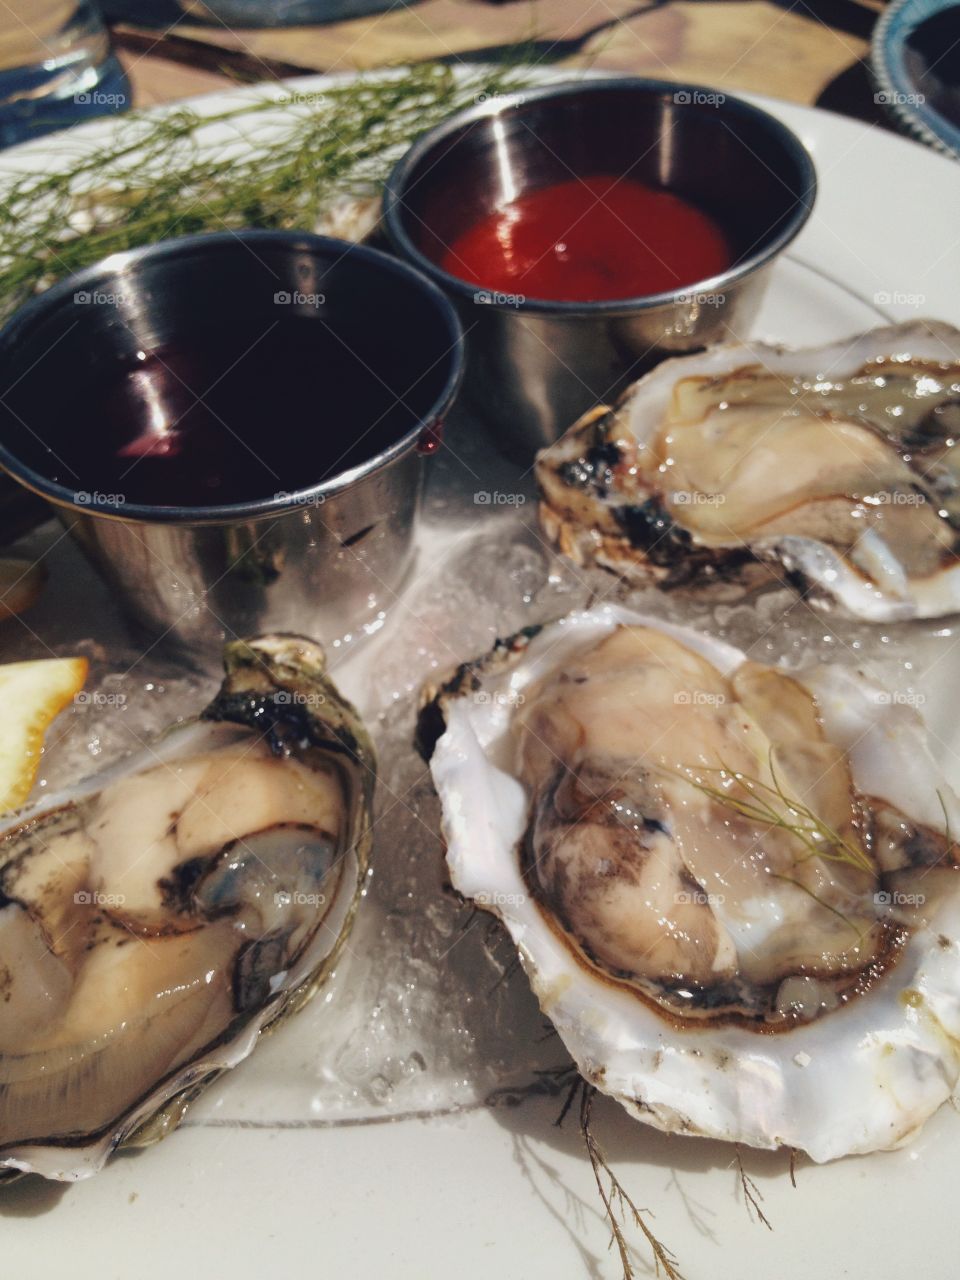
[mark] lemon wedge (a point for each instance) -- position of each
(20, 584)
(31, 695)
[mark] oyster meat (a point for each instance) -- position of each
(155, 920)
(834, 469)
(733, 889)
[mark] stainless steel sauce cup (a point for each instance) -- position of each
(535, 365)
(326, 555)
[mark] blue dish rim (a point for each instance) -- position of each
(897, 91)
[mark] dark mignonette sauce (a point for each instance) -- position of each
(197, 424)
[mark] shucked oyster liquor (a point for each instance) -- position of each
(734, 890)
(160, 916)
(836, 469)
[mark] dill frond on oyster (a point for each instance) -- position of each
(734, 889)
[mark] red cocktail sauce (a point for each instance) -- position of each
(590, 240)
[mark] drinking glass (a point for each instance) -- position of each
(56, 67)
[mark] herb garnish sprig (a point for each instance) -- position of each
(772, 806)
(275, 161)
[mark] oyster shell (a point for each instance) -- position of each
(160, 916)
(733, 889)
(834, 469)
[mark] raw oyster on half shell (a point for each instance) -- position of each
(835, 469)
(157, 918)
(733, 888)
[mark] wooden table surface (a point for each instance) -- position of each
(809, 51)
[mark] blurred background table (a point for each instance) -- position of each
(808, 51)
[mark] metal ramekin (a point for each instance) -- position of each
(328, 558)
(535, 365)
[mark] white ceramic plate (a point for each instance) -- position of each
(267, 1178)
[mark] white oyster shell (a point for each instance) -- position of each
(201, 889)
(861, 1078)
(869, 583)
